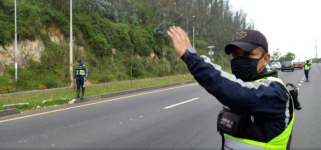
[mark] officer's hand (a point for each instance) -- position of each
(74, 79)
(85, 79)
(180, 40)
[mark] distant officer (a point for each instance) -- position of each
(260, 112)
(80, 76)
(307, 69)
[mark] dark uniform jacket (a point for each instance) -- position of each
(267, 101)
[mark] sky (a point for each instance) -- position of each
(290, 25)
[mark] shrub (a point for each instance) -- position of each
(50, 83)
(42, 87)
(104, 79)
(7, 89)
(99, 45)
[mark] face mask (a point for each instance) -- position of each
(245, 68)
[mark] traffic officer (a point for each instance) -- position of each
(251, 93)
(307, 68)
(80, 75)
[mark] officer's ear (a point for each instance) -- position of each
(266, 58)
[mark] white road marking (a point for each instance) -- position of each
(299, 84)
(301, 81)
(168, 107)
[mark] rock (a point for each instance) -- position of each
(44, 101)
(72, 101)
(55, 105)
(2, 67)
(38, 107)
(27, 49)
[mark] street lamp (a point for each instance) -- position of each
(316, 50)
(15, 41)
(211, 53)
(70, 44)
(193, 34)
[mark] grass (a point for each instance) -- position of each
(59, 96)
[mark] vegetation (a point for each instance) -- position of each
(276, 56)
(134, 29)
(63, 96)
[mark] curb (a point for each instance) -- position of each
(129, 92)
(98, 97)
(64, 88)
(9, 112)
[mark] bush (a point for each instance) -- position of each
(104, 79)
(141, 41)
(42, 87)
(7, 89)
(99, 45)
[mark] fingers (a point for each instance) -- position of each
(173, 34)
(177, 32)
(181, 33)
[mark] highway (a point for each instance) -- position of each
(175, 118)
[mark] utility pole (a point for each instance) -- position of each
(164, 18)
(187, 26)
(211, 53)
(193, 32)
(15, 41)
(70, 51)
(316, 50)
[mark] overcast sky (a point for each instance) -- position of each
(290, 25)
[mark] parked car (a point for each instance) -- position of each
(287, 65)
(268, 68)
(275, 65)
(297, 65)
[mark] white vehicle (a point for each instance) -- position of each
(268, 68)
(275, 65)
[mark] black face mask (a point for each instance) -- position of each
(245, 68)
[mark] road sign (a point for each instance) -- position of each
(211, 53)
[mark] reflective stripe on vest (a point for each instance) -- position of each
(278, 143)
(306, 67)
(81, 72)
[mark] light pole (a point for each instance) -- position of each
(187, 26)
(70, 51)
(211, 53)
(316, 50)
(15, 41)
(193, 34)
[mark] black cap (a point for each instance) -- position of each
(79, 61)
(247, 40)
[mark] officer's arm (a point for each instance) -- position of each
(75, 73)
(86, 70)
(238, 95)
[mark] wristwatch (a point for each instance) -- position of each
(188, 51)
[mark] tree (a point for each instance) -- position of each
(288, 57)
(276, 55)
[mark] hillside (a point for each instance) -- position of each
(115, 46)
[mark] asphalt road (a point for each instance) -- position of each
(182, 118)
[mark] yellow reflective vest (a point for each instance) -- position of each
(307, 66)
(278, 143)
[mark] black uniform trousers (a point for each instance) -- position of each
(80, 80)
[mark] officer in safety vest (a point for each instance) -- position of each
(258, 112)
(80, 76)
(307, 68)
